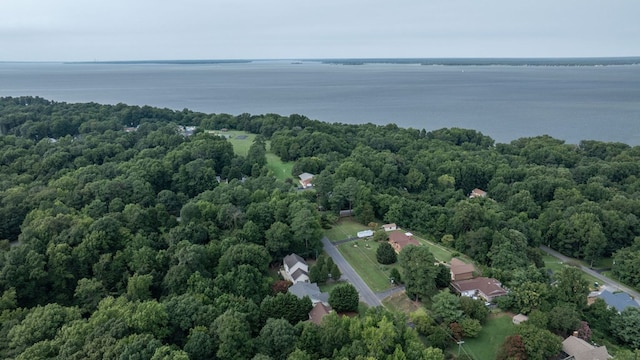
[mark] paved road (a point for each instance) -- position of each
(612, 284)
(348, 273)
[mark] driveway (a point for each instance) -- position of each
(348, 273)
(610, 284)
(384, 294)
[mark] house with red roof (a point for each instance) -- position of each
(460, 270)
(399, 240)
(486, 288)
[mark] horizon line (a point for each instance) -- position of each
(332, 59)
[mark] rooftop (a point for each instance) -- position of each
(618, 300)
(292, 259)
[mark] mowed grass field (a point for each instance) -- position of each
(242, 140)
(361, 254)
(281, 170)
(240, 145)
(493, 333)
(344, 229)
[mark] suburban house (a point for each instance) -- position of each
(477, 193)
(305, 180)
(365, 233)
(618, 300)
(389, 227)
(486, 288)
(578, 349)
(295, 269)
(400, 240)
(460, 270)
(311, 290)
(319, 311)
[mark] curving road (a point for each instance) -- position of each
(348, 273)
(612, 284)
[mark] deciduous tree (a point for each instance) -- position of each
(344, 298)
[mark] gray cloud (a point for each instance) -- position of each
(161, 29)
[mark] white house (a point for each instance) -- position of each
(365, 233)
(295, 269)
(390, 227)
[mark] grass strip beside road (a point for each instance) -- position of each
(363, 260)
(555, 265)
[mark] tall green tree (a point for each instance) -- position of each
(344, 298)
(417, 264)
(385, 254)
(277, 339)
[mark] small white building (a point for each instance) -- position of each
(390, 227)
(365, 233)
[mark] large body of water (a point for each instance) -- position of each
(506, 102)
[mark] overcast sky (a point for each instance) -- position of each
(88, 30)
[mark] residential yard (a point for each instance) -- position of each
(281, 170)
(556, 266)
(493, 333)
(439, 252)
(361, 254)
(345, 228)
(400, 302)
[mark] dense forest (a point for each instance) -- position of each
(152, 244)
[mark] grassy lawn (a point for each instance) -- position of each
(240, 146)
(361, 254)
(439, 252)
(493, 333)
(281, 170)
(326, 287)
(345, 228)
(556, 266)
(400, 302)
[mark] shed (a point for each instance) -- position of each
(519, 318)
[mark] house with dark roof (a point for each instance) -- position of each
(295, 269)
(577, 349)
(319, 311)
(460, 270)
(311, 290)
(399, 240)
(486, 288)
(618, 300)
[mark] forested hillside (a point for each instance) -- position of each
(153, 243)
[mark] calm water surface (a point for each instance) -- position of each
(505, 102)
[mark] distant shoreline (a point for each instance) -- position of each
(577, 61)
